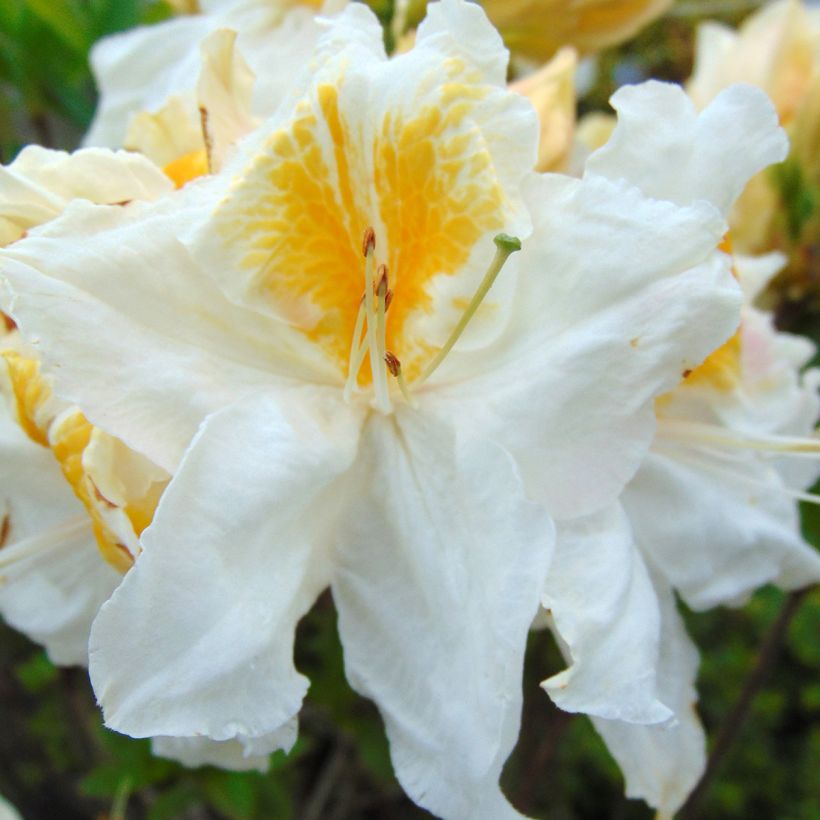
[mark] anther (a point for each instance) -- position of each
(394, 367)
(368, 241)
(381, 278)
(393, 363)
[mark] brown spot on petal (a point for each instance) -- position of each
(634, 341)
(99, 496)
(686, 373)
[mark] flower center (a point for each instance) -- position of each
(371, 320)
(422, 175)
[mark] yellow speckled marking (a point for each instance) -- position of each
(296, 216)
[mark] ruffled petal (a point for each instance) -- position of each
(605, 613)
(717, 525)
(133, 332)
(140, 69)
(237, 755)
(53, 579)
(198, 640)
(662, 764)
(440, 571)
(662, 145)
(617, 296)
(38, 185)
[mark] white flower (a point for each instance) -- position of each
(53, 579)
(712, 511)
(193, 134)
(259, 363)
(74, 499)
(141, 69)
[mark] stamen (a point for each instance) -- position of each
(357, 351)
(743, 478)
(380, 378)
(505, 246)
(375, 330)
(55, 538)
(724, 437)
(394, 366)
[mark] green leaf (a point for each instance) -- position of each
(66, 19)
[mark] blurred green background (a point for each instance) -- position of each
(56, 760)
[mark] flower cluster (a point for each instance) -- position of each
(328, 323)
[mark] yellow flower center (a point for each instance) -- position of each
(295, 218)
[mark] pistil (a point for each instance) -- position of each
(505, 246)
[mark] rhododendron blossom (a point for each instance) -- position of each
(358, 381)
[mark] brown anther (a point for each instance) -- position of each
(9, 323)
(5, 527)
(388, 298)
(381, 278)
(393, 363)
(686, 374)
(368, 241)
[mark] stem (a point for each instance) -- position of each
(505, 247)
(732, 726)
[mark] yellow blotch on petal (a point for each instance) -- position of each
(69, 435)
(438, 195)
(295, 219)
(188, 167)
(30, 394)
(298, 228)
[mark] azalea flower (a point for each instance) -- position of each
(193, 134)
(142, 69)
(777, 49)
(354, 387)
(59, 485)
(711, 513)
(75, 499)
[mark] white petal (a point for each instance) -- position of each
(52, 577)
(717, 525)
(617, 296)
(224, 93)
(453, 26)
(132, 331)
(605, 612)
(52, 585)
(7, 811)
(139, 69)
(662, 145)
(662, 764)
(38, 185)
(198, 641)
(235, 755)
(440, 571)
